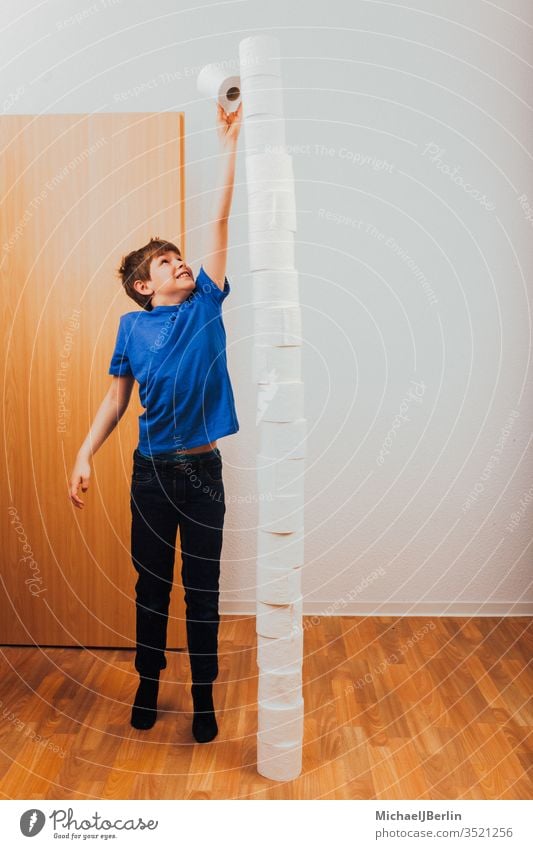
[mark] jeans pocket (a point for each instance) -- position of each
(213, 470)
(143, 474)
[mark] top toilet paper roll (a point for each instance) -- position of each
(214, 81)
(259, 54)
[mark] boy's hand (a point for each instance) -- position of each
(228, 125)
(81, 474)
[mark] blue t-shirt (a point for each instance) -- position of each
(177, 354)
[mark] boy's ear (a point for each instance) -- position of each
(143, 288)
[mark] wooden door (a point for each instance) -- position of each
(77, 192)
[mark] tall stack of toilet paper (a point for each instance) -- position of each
(280, 411)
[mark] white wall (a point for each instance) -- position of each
(369, 85)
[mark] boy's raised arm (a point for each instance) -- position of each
(228, 127)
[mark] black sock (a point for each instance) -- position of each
(204, 724)
(144, 710)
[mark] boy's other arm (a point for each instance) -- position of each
(228, 126)
(106, 419)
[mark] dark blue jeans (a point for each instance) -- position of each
(185, 492)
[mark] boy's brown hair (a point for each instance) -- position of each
(136, 266)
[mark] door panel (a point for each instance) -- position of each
(78, 192)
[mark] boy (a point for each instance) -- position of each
(175, 347)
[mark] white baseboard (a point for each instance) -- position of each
(466, 609)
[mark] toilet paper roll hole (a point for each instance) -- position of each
(233, 93)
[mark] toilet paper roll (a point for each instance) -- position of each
(280, 477)
(272, 211)
(278, 325)
(278, 586)
(259, 54)
(280, 550)
(278, 620)
(263, 169)
(282, 514)
(269, 179)
(270, 184)
(277, 287)
(280, 725)
(264, 134)
(262, 95)
(283, 440)
(289, 476)
(280, 689)
(281, 762)
(214, 81)
(280, 402)
(271, 249)
(284, 653)
(261, 82)
(276, 364)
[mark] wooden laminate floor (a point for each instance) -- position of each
(396, 708)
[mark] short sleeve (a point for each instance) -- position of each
(209, 287)
(120, 364)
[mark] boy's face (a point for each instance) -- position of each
(171, 279)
